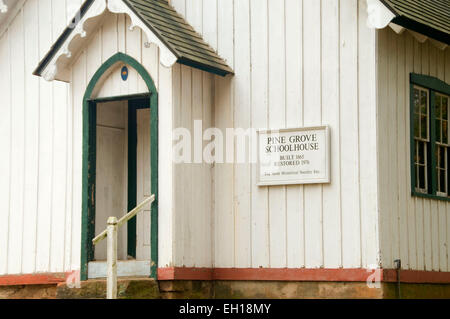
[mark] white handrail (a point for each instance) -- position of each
(111, 233)
(125, 218)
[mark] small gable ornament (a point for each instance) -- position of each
(124, 73)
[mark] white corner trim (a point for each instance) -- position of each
(379, 16)
(3, 7)
(166, 57)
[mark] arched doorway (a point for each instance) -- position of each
(111, 183)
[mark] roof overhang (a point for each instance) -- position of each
(381, 14)
(56, 63)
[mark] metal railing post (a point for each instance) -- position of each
(111, 284)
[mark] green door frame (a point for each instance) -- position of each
(134, 104)
(89, 165)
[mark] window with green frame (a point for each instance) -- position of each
(430, 137)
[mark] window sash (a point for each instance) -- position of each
(442, 168)
(430, 136)
(421, 113)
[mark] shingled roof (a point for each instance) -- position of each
(171, 29)
(429, 17)
(186, 44)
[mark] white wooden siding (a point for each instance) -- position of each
(111, 173)
(297, 63)
(192, 100)
(35, 139)
(114, 36)
(415, 230)
(41, 128)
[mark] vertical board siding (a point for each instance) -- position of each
(42, 135)
(17, 146)
(259, 119)
(277, 119)
(31, 140)
(297, 63)
(350, 168)
(112, 37)
(332, 238)
(415, 230)
(5, 144)
(224, 217)
(312, 116)
(192, 198)
(294, 100)
(35, 187)
(242, 118)
(166, 197)
(368, 177)
(45, 146)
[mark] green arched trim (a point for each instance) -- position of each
(88, 184)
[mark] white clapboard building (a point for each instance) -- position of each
(340, 188)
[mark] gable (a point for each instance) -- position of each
(178, 35)
(163, 26)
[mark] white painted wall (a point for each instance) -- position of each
(114, 36)
(297, 63)
(415, 230)
(192, 183)
(36, 162)
(111, 177)
(41, 128)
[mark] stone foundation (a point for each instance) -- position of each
(28, 292)
(145, 288)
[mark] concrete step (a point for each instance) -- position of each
(127, 288)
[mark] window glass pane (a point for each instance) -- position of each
(438, 106)
(416, 101)
(437, 154)
(421, 158)
(422, 177)
(424, 101)
(445, 132)
(445, 108)
(424, 127)
(441, 169)
(438, 176)
(416, 153)
(438, 131)
(417, 175)
(417, 125)
(442, 187)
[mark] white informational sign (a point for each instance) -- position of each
(294, 156)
